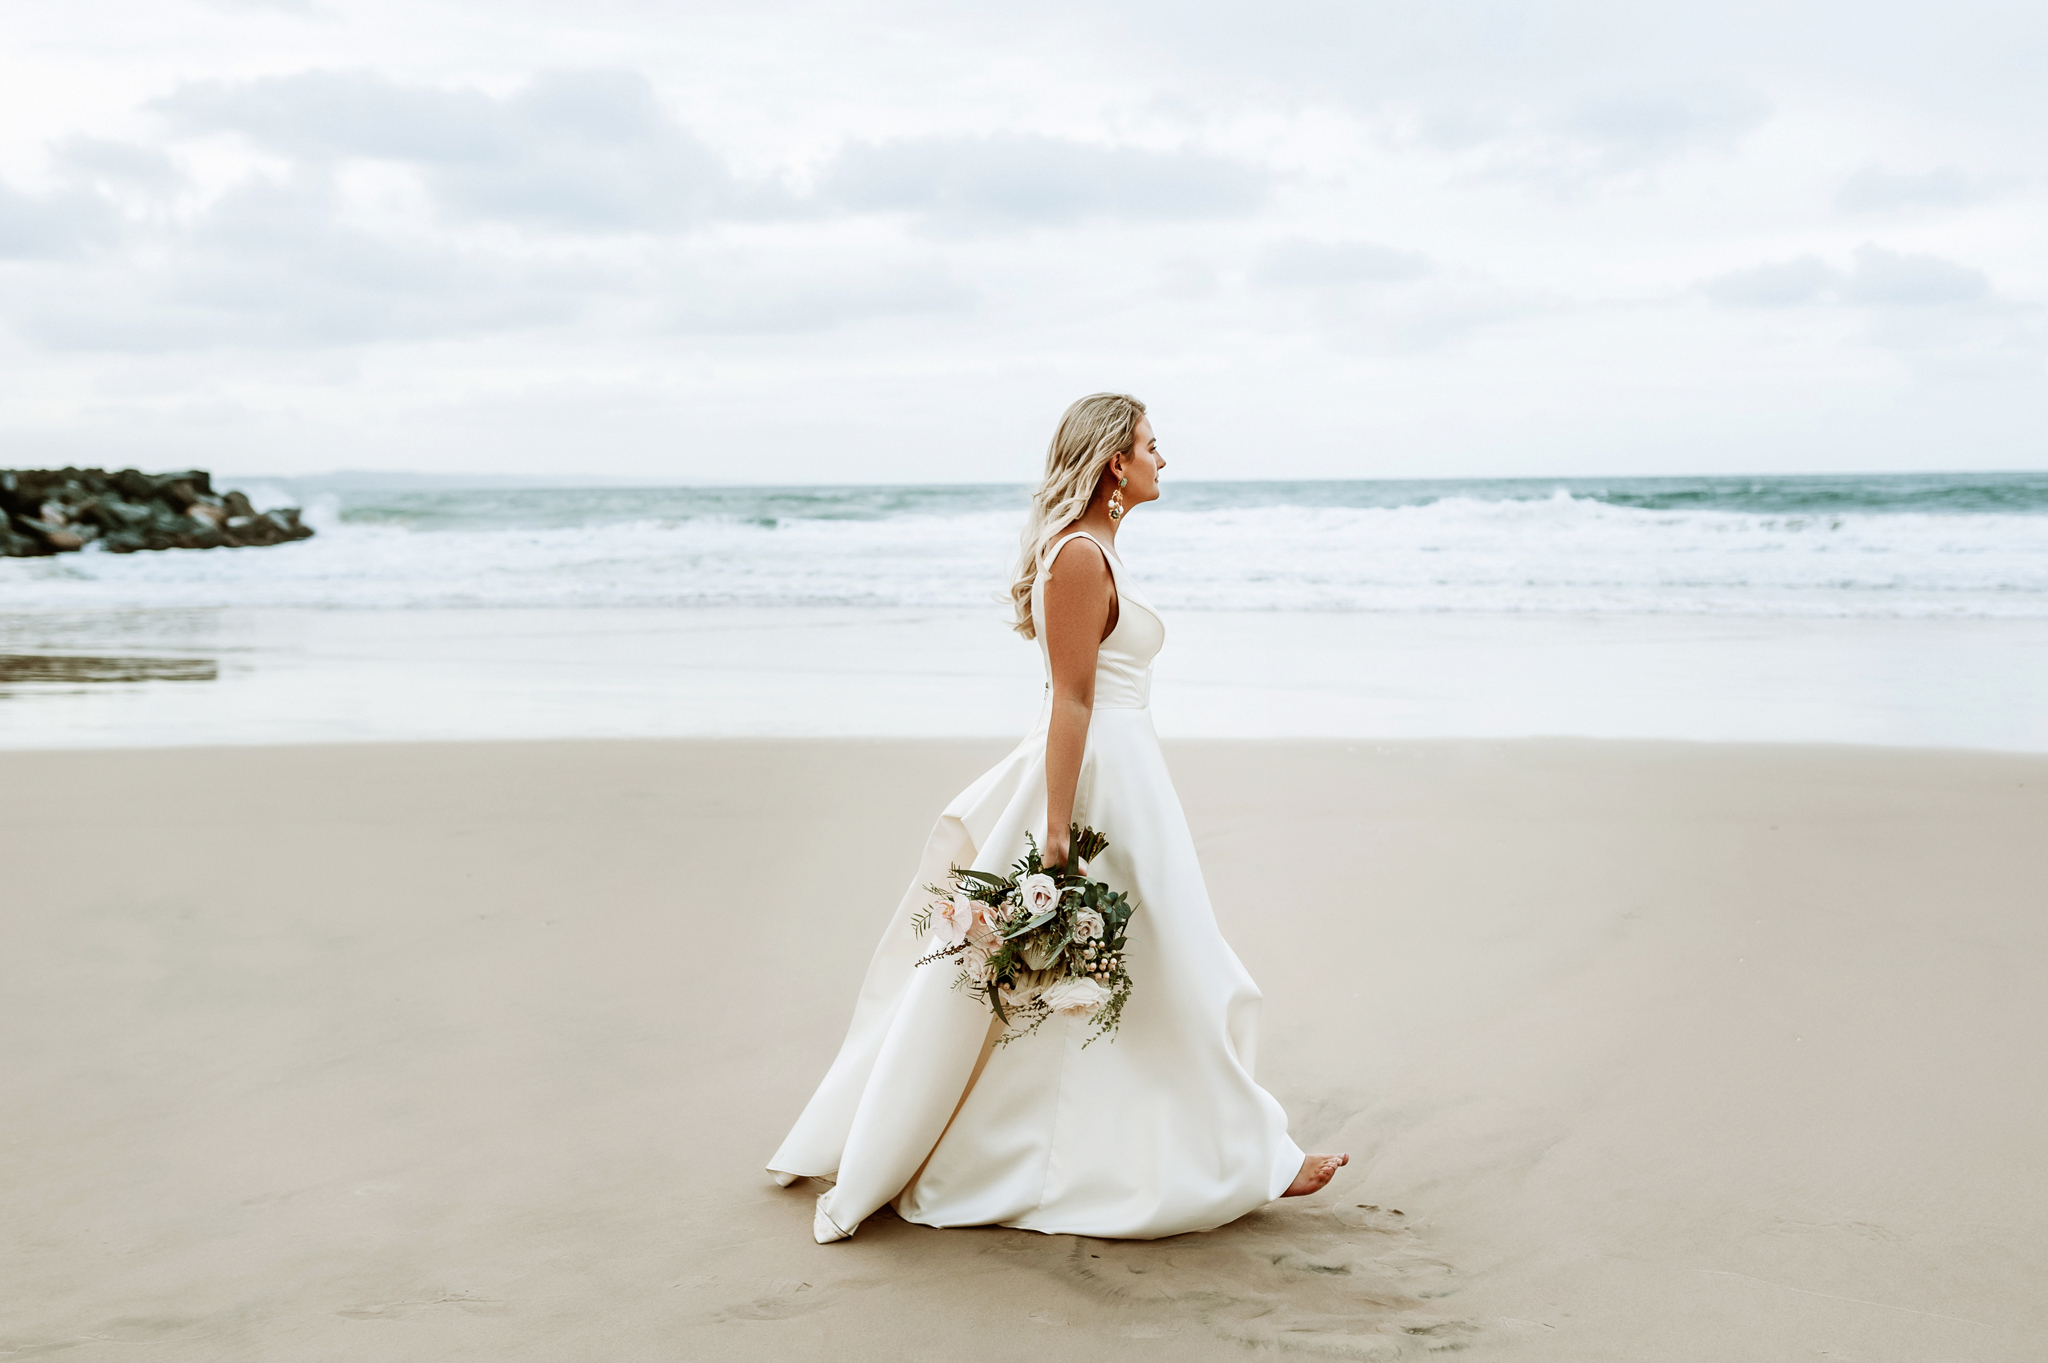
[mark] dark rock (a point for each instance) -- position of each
(14, 544)
(30, 488)
(113, 514)
(57, 539)
(44, 511)
(254, 530)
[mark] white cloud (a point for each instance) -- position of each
(121, 165)
(1310, 264)
(732, 302)
(1944, 318)
(34, 227)
(576, 151)
(1874, 190)
(1480, 237)
(1784, 284)
(1893, 279)
(1643, 127)
(294, 263)
(1435, 316)
(270, 266)
(1876, 278)
(1009, 181)
(596, 151)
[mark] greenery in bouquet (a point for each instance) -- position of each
(1037, 942)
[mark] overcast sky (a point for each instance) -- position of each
(888, 242)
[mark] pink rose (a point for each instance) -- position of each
(986, 929)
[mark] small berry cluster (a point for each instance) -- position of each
(1101, 965)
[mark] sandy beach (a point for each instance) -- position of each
(1643, 1050)
(279, 677)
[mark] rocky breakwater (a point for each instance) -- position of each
(55, 511)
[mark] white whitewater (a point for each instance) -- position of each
(1157, 1132)
(1870, 550)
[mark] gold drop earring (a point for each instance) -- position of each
(1116, 499)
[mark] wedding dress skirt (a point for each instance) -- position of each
(1156, 1131)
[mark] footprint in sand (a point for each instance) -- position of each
(1341, 1282)
(782, 1298)
(469, 1303)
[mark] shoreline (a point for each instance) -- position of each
(284, 676)
(998, 744)
(474, 1050)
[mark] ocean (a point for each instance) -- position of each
(1900, 609)
(1964, 546)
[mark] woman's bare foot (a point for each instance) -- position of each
(1316, 1173)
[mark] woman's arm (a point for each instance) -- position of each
(1079, 596)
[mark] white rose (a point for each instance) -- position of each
(1021, 993)
(1087, 926)
(1076, 996)
(1040, 894)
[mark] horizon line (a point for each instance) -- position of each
(567, 482)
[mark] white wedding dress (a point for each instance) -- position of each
(1155, 1132)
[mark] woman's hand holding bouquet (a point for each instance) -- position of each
(1043, 940)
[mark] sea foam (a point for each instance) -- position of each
(1330, 547)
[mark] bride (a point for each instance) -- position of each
(1157, 1131)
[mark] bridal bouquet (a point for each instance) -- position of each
(1036, 942)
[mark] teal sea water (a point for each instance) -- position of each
(480, 506)
(1910, 545)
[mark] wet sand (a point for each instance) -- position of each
(234, 676)
(1643, 1050)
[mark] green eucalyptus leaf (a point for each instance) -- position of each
(994, 882)
(1040, 921)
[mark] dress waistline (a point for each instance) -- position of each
(1045, 706)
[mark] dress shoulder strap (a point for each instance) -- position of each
(1067, 539)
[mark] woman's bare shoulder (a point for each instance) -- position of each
(1085, 565)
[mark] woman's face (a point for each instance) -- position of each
(1142, 466)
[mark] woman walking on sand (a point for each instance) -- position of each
(1161, 1130)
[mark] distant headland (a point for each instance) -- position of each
(56, 511)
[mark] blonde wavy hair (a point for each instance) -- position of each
(1092, 432)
